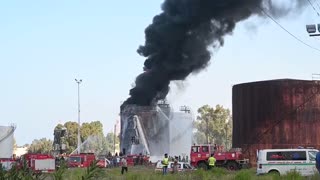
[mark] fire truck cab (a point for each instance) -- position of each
(232, 160)
(81, 160)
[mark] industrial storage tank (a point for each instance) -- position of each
(156, 130)
(181, 132)
(6, 141)
(275, 114)
(145, 129)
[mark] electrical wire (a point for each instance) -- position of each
(313, 7)
(295, 37)
(316, 1)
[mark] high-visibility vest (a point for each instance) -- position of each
(212, 161)
(165, 161)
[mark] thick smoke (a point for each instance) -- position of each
(178, 41)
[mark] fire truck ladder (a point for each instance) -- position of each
(9, 133)
(260, 136)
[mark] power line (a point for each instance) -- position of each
(314, 8)
(316, 1)
(295, 37)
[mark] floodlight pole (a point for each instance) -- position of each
(79, 140)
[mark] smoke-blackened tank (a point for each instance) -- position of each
(276, 114)
(145, 129)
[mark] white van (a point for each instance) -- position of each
(282, 161)
(182, 166)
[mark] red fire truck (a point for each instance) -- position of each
(136, 159)
(7, 163)
(81, 160)
(232, 160)
(39, 162)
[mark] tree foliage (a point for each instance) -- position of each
(110, 141)
(43, 146)
(214, 125)
(94, 128)
(91, 135)
(72, 139)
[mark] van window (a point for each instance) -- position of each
(312, 155)
(287, 155)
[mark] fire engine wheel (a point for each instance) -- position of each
(202, 166)
(232, 166)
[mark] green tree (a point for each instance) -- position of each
(43, 146)
(111, 139)
(72, 139)
(91, 135)
(94, 128)
(215, 124)
(93, 138)
(199, 138)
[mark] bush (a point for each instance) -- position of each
(219, 172)
(293, 175)
(244, 175)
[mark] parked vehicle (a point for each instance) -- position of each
(103, 162)
(7, 163)
(134, 159)
(232, 160)
(282, 161)
(39, 162)
(81, 160)
(182, 166)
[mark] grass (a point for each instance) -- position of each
(147, 173)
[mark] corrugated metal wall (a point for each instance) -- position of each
(276, 114)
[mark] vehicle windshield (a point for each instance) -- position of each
(75, 159)
(312, 155)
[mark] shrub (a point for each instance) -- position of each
(244, 175)
(293, 175)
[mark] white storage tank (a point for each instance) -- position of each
(6, 141)
(181, 129)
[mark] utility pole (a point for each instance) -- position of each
(207, 130)
(114, 139)
(79, 140)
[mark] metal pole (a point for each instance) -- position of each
(79, 140)
(114, 139)
(207, 130)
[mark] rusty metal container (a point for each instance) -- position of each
(275, 114)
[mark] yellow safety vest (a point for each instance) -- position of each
(165, 161)
(212, 161)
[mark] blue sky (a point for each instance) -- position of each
(45, 45)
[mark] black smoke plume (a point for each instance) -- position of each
(178, 41)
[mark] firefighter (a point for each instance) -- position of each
(124, 164)
(175, 165)
(211, 161)
(165, 163)
(318, 161)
